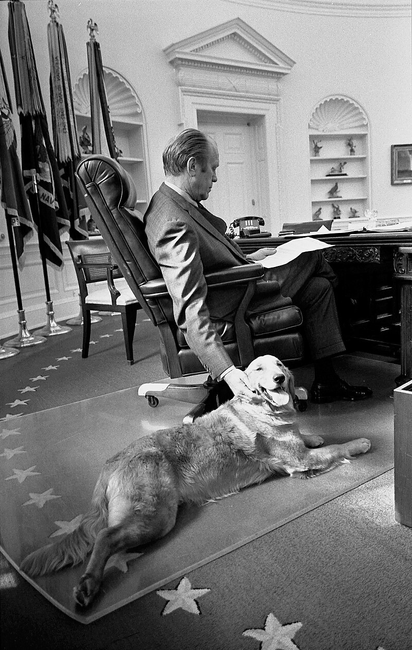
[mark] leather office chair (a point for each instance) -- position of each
(111, 196)
(94, 265)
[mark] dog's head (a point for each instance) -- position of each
(272, 381)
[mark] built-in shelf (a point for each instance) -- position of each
(338, 140)
(128, 127)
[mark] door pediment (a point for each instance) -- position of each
(233, 46)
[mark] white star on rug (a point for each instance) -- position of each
(28, 389)
(9, 453)
(106, 336)
(66, 527)
(40, 499)
(22, 474)
(63, 358)
(275, 636)
(76, 350)
(121, 560)
(50, 368)
(13, 416)
(93, 342)
(119, 330)
(9, 432)
(39, 377)
(17, 402)
(184, 597)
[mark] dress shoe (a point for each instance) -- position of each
(321, 393)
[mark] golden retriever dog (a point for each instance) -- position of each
(137, 495)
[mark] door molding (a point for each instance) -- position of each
(233, 69)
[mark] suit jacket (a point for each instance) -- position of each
(187, 244)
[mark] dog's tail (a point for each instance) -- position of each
(74, 548)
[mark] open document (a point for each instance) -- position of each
(287, 252)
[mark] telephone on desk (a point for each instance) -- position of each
(248, 227)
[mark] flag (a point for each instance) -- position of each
(13, 196)
(40, 187)
(40, 169)
(64, 126)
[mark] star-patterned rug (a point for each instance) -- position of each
(53, 373)
(336, 578)
(50, 461)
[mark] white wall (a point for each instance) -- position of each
(366, 57)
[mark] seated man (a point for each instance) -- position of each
(188, 241)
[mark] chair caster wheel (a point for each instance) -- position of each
(152, 401)
(301, 405)
(300, 401)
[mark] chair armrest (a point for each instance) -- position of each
(110, 267)
(235, 275)
(154, 288)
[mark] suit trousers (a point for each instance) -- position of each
(310, 281)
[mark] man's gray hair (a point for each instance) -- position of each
(187, 144)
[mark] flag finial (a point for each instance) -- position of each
(93, 29)
(53, 10)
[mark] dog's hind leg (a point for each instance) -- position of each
(129, 528)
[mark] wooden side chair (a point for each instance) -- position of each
(94, 265)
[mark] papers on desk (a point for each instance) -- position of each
(291, 250)
(400, 227)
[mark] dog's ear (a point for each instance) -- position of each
(290, 384)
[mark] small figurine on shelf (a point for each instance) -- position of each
(316, 147)
(353, 214)
(352, 146)
(336, 211)
(337, 171)
(85, 141)
(333, 192)
(316, 215)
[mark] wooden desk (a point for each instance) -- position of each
(375, 295)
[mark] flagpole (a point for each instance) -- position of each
(51, 328)
(32, 114)
(24, 338)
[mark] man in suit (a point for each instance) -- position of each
(188, 241)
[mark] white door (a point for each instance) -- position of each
(236, 193)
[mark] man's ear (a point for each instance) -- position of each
(191, 166)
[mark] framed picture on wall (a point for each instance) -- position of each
(401, 164)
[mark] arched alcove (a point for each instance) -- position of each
(128, 123)
(339, 159)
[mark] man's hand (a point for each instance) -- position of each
(239, 383)
(261, 254)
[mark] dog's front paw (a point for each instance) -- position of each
(86, 590)
(312, 440)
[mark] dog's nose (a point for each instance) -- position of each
(279, 379)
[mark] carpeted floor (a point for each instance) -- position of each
(335, 577)
(53, 373)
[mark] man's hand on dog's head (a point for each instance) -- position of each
(238, 383)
